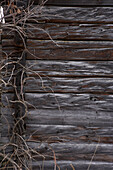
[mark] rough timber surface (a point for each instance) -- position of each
(66, 31)
(63, 50)
(67, 85)
(73, 14)
(78, 165)
(77, 133)
(81, 117)
(74, 3)
(72, 101)
(71, 31)
(71, 69)
(69, 50)
(66, 150)
(69, 88)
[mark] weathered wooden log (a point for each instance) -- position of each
(64, 50)
(81, 116)
(76, 164)
(69, 68)
(66, 150)
(62, 149)
(75, 3)
(76, 50)
(70, 31)
(57, 44)
(59, 31)
(78, 134)
(97, 102)
(69, 85)
(72, 14)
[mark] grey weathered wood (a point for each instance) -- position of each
(94, 116)
(76, 164)
(74, 3)
(8, 44)
(78, 134)
(67, 150)
(71, 54)
(73, 14)
(70, 68)
(97, 102)
(7, 122)
(69, 85)
(71, 31)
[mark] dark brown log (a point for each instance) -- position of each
(69, 68)
(71, 31)
(72, 54)
(64, 50)
(8, 44)
(59, 31)
(73, 14)
(70, 50)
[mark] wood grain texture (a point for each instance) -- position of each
(81, 116)
(57, 44)
(82, 101)
(69, 85)
(74, 3)
(69, 68)
(78, 134)
(71, 31)
(70, 50)
(78, 165)
(63, 50)
(73, 14)
(67, 150)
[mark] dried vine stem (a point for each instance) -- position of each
(13, 79)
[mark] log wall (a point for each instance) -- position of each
(70, 87)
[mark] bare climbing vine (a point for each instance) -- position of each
(17, 153)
